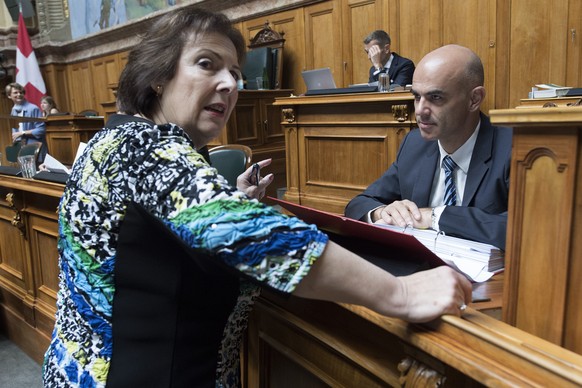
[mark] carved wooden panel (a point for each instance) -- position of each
(337, 145)
(289, 23)
(43, 239)
(12, 248)
(542, 289)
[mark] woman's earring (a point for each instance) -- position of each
(159, 90)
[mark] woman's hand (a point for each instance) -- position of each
(245, 181)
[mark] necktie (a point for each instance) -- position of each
(450, 190)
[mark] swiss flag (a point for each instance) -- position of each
(27, 70)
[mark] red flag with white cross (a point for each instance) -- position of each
(27, 70)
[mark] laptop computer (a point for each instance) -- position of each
(320, 81)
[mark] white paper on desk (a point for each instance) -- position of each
(54, 165)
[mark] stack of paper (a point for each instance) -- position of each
(477, 260)
(549, 91)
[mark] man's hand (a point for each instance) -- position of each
(375, 54)
(403, 213)
(16, 135)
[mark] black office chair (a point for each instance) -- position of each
(12, 151)
(230, 160)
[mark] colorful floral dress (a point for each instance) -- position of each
(132, 161)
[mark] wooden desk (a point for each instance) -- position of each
(64, 133)
(297, 342)
(28, 261)
(543, 261)
(290, 341)
(337, 145)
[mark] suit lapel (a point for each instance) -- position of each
(423, 185)
(480, 160)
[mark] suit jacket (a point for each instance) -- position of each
(400, 72)
(483, 213)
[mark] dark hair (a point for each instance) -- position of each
(379, 35)
(50, 101)
(155, 59)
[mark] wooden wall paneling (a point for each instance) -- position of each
(359, 18)
(574, 58)
(539, 39)
(122, 59)
(323, 32)
(80, 90)
(291, 25)
(55, 79)
(472, 24)
(419, 28)
(105, 75)
(502, 55)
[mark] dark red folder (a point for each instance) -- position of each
(397, 252)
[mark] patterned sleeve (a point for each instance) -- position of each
(201, 208)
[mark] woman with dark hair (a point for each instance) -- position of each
(160, 258)
(48, 106)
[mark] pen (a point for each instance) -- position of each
(255, 174)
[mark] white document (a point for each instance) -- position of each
(54, 165)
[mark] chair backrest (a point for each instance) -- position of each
(230, 160)
(12, 151)
(30, 149)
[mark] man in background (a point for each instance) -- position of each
(451, 173)
(399, 69)
(27, 131)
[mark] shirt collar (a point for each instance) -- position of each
(387, 65)
(462, 156)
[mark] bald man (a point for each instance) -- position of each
(471, 202)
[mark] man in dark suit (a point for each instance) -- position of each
(472, 201)
(399, 69)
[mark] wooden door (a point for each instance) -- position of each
(422, 26)
(80, 90)
(323, 34)
(359, 19)
(105, 72)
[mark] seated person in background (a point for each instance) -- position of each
(48, 106)
(399, 69)
(448, 90)
(29, 131)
